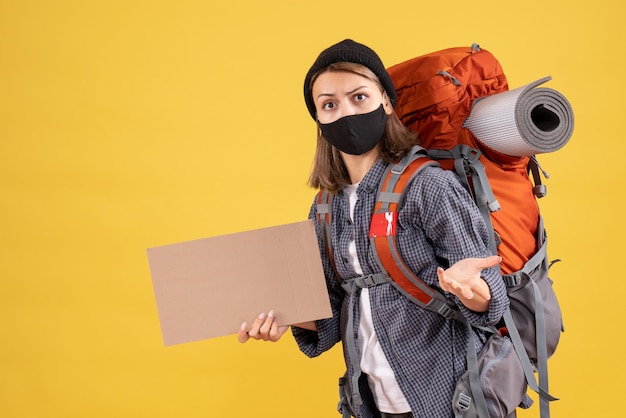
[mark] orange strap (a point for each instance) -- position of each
(383, 230)
(383, 233)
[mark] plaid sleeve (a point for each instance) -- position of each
(437, 204)
(314, 343)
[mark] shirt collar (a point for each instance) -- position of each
(370, 182)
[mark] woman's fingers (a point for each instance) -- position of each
(265, 327)
(482, 290)
(491, 261)
(466, 290)
(277, 331)
(255, 328)
(243, 336)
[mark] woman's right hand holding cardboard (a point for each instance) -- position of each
(265, 327)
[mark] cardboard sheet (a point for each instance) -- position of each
(206, 288)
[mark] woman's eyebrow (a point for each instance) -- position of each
(325, 95)
(356, 89)
(348, 92)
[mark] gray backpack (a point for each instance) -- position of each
(496, 380)
(447, 98)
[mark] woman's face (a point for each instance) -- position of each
(339, 93)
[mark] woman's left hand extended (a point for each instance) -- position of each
(463, 279)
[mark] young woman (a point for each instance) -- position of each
(405, 360)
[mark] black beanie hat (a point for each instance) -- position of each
(348, 51)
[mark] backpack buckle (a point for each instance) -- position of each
(365, 281)
(514, 279)
(446, 311)
(464, 402)
(368, 281)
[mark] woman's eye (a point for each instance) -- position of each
(360, 97)
(328, 106)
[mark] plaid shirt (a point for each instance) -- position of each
(438, 224)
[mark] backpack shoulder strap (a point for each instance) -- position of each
(472, 174)
(324, 205)
(383, 235)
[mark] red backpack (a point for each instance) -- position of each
(435, 95)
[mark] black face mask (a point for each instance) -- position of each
(356, 134)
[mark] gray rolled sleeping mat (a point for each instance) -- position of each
(522, 122)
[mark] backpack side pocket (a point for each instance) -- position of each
(502, 381)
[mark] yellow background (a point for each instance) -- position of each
(128, 124)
